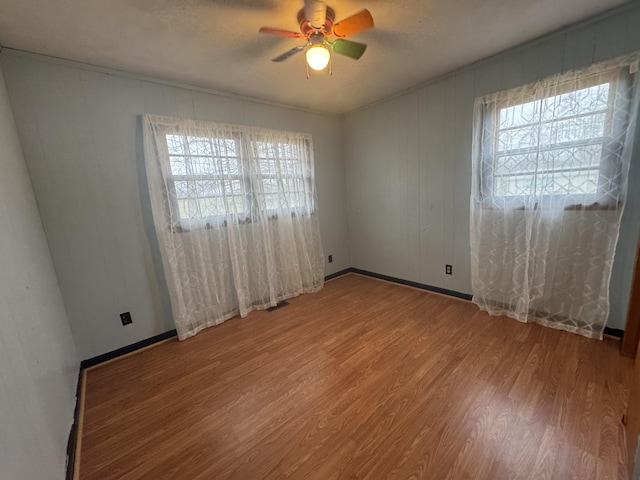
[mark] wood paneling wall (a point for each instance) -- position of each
(408, 161)
(38, 359)
(82, 141)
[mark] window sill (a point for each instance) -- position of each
(595, 206)
(219, 224)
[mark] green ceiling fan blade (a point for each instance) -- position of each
(348, 48)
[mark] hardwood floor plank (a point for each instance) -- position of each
(546, 455)
(364, 379)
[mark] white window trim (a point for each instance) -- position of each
(249, 214)
(488, 111)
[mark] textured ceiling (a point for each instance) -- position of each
(215, 43)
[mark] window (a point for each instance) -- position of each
(206, 176)
(557, 143)
(212, 179)
(281, 177)
(233, 210)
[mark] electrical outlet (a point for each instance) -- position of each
(125, 318)
(330, 258)
(448, 269)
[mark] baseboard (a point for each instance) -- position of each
(92, 362)
(613, 332)
(409, 283)
(72, 442)
(331, 276)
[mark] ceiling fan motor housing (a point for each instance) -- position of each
(306, 28)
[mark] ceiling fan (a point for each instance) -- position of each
(316, 20)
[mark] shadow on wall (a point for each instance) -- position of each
(150, 229)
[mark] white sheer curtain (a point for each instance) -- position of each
(550, 164)
(235, 214)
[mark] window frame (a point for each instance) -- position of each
(609, 161)
(306, 179)
(252, 212)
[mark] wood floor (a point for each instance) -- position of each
(365, 379)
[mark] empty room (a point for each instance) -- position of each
(305, 239)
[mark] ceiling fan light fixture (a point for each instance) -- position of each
(318, 57)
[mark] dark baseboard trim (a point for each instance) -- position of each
(409, 283)
(73, 434)
(613, 332)
(92, 362)
(338, 274)
(72, 442)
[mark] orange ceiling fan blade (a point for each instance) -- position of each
(279, 32)
(354, 24)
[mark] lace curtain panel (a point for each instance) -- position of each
(234, 209)
(549, 182)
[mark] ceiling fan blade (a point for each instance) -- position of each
(289, 53)
(354, 24)
(348, 48)
(279, 32)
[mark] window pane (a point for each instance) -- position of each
(270, 185)
(268, 201)
(233, 187)
(518, 115)
(268, 166)
(182, 189)
(573, 129)
(209, 178)
(293, 184)
(224, 147)
(571, 158)
(517, 138)
(514, 185)
(571, 182)
(203, 166)
(175, 144)
(228, 166)
(204, 188)
(178, 165)
(291, 167)
(578, 102)
(266, 150)
(199, 145)
(552, 146)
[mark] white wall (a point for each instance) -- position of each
(408, 161)
(38, 359)
(80, 132)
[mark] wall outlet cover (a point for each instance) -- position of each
(125, 318)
